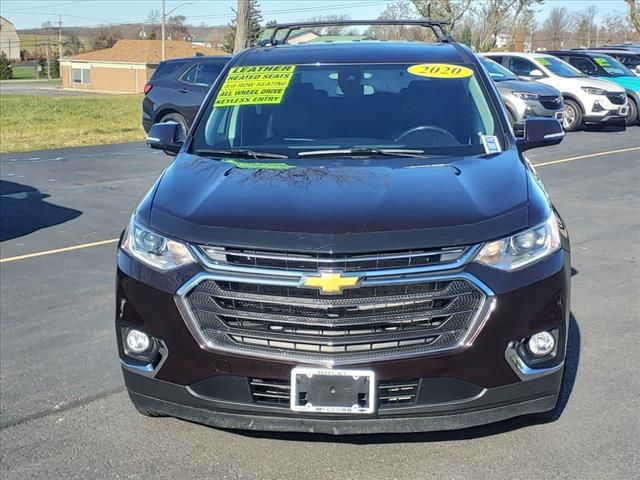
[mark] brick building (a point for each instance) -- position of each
(125, 67)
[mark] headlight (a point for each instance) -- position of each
(526, 95)
(154, 250)
(522, 249)
(594, 91)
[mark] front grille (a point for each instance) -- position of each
(550, 102)
(320, 261)
(617, 98)
(303, 323)
(277, 392)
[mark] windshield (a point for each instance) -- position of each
(560, 68)
(610, 67)
(497, 72)
(298, 109)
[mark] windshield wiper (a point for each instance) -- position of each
(388, 152)
(240, 152)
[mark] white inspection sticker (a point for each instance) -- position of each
(491, 144)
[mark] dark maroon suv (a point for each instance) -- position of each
(349, 240)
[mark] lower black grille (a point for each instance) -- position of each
(550, 102)
(397, 393)
(277, 392)
(270, 391)
(617, 99)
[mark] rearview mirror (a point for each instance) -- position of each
(164, 136)
(540, 132)
(535, 73)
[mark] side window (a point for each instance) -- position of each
(208, 72)
(190, 76)
(497, 59)
(521, 66)
(584, 64)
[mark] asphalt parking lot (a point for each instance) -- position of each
(64, 412)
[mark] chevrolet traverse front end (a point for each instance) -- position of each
(349, 240)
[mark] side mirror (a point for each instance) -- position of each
(165, 136)
(535, 73)
(540, 132)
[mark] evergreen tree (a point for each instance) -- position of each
(5, 67)
(254, 30)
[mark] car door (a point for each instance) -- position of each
(194, 86)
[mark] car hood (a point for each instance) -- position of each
(607, 85)
(628, 83)
(527, 86)
(343, 205)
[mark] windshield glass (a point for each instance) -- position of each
(560, 68)
(292, 109)
(610, 67)
(497, 72)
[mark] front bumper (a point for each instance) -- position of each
(603, 111)
(493, 405)
(474, 386)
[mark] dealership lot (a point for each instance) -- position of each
(65, 413)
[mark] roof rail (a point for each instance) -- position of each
(438, 27)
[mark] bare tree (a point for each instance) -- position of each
(557, 27)
(332, 30)
(398, 10)
(616, 27)
(176, 29)
(586, 27)
(521, 20)
(492, 18)
(153, 20)
(450, 10)
(634, 13)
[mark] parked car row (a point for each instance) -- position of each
(577, 87)
(595, 87)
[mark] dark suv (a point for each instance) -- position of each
(176, 89)
(349, 240)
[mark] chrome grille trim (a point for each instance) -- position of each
(210, 252)
(223, 340)
(285, 274)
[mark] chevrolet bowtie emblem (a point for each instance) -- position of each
(330, 283)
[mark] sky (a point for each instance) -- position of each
(31, 14)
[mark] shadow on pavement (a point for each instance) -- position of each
(24, 211)
(571, 370)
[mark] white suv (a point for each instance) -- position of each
(586, 99)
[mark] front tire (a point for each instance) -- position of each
(572, 120)
(632, 116)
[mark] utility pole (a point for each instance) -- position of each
(164, 19)
(48, 58)
(60, 45)
(242, 26)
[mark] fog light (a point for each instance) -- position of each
(541, 344)
(137, 341)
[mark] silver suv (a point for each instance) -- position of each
(524, 98)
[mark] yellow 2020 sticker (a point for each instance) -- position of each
(255, 85)
(440, 70)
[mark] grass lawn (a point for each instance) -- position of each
(38, 123)
(24, 71)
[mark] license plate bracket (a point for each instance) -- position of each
(324, 390)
